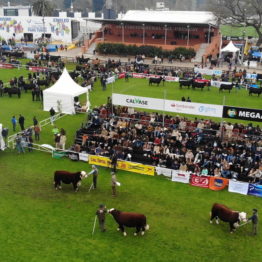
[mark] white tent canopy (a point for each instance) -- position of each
(61, 95)
(230, 48)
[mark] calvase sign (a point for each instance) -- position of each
(242, 113)
(138, 101)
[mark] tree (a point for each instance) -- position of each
(240, 13)
(43, 8)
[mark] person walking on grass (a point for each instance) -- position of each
(254, 219)
(37, 131)
(94, 172)
(52, 115)
(101, 216)
(21, 121)
(14, 122)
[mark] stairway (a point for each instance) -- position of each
(200, 53)
(91, 49)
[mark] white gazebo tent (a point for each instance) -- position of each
(61, 95)
(230, 48)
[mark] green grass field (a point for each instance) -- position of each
(228, 30)
(41, 224)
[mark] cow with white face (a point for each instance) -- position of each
(68, 178)
(222, 212)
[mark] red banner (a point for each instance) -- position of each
(4, 65)
(37, 69)
(217, 183)
(200, 181)
(121, 75)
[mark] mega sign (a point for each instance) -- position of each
(242, 113)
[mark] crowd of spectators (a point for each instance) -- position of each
(203, 147)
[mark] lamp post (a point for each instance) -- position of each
(243, 47)
(188, 26)
(208, 37)
(143, 33)
(123, 37)
(165, 33)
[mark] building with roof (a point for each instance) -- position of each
(166, 29)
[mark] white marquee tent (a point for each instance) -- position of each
(231, 48)
(61, 95)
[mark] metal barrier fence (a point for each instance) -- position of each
(11, 139)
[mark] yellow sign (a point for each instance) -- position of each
(123, 165)
(99, 160)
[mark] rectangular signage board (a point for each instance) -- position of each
(242, 113)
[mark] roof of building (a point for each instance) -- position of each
(178, 17)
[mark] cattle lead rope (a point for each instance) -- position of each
(94, 227)
(243, 224)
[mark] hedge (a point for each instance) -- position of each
(148, 51)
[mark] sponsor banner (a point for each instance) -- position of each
(172, 79)
(255, 190)
(180, 176)
(136, 167)
(193, 108)
(110, 80)
(122, 75)
(138, 75)
(3, 65)
(83, 157)
(167, 78)
(136, 101)
(200, 181)
(164, 171)
(206, 71)
(123, 165)
(219, 83)
(99, 160)
(238, 187)
(251, 76)
(217, 183)
(242, 113)
(37, 69)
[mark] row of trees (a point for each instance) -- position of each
(148, 51)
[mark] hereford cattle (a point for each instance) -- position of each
(129, 220)
(222, 212)
(68, 178)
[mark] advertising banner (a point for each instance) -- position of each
(219, 83)
(217, 183)
(99, 160)
(200, 181)
(193, 108)
(137, 101)
(4, 65)
(83, 157)
(255, 190)
(207, 71)
(123, 165)
(242, 113)
(164, 171)
(37, 69)
(251, 76)
(238, 187)
(110, 80)
(136, 168)
(180, 176)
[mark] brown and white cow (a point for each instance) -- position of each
(129, 219)
(68, 178)
(224, 213)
